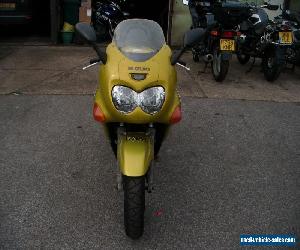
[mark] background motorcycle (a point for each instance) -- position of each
(107, 15)
(221, 22)
(263, 38)
(292, 19)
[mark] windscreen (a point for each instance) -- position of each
(139, 39)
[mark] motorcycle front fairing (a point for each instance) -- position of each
(138, 49)
(128, 56)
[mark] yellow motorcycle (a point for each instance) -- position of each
(136, 101)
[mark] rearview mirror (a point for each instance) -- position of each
(86, 31)
(192, 37)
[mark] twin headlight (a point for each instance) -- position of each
(127, 100)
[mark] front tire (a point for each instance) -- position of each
(271, 65)
(134, 206)
(219, 66)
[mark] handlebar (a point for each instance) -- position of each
(102, 55)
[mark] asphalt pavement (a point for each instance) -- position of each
(230, 167)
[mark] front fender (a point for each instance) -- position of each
(135, 153)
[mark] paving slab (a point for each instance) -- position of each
(58, 70)
(246, 86)
(46, 70)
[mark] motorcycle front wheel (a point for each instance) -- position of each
(134, 206)
(271, 65)
(219, 66)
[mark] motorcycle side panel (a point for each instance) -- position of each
(135, 153)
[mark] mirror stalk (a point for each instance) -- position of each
(100, 53)
(87, 32)
(176, 56)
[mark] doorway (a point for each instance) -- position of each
(25, 21)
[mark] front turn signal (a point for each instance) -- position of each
(176, 116)
(98, 114)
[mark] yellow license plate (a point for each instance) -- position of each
(286, 37)
(7, 6)
(227, 44)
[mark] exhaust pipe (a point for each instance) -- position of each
(208, 58)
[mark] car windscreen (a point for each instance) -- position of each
(139, 39)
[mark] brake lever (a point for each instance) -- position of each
(90, 65)
(93, 62)
(183, 66)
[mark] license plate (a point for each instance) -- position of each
(227, 44)
(7, 6)
(286, 37)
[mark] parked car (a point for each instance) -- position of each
(16, 11)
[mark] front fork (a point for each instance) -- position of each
(150, 172)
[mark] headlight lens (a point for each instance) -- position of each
(124, 99)
(127, 100)
(152, 99)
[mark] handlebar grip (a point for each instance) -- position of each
(95, 60)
